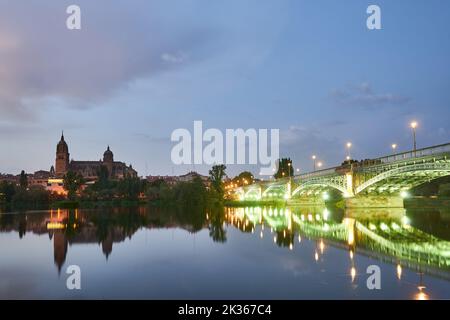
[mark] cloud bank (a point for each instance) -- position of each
(42, 62)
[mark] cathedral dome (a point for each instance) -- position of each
(62, 147)
(108, 155)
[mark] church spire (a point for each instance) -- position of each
(62, 135)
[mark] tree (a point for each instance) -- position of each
(244, 178)
(129, 188)
(23, 180)
(7, 191)
(71, 183)
(103, 178)
(285, 168)
(216, 175)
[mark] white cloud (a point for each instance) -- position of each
(173, 58)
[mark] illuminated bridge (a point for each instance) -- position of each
(377, 182)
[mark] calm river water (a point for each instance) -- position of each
(235, 253)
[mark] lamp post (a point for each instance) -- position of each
(413, 127)
(349, 145)
(394, 147)
(314, 162)
(289, 169)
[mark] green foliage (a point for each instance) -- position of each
(129, 188)
(72, 183)
(185, 194)
(156, 189)
(7, 191)
(244, 178)
(103, 181)
(35, 197)
(285, 168)
(216, 175)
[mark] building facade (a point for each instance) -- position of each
(90, 169)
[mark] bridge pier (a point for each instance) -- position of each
(374, 201)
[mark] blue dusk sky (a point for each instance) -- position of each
(137, 70)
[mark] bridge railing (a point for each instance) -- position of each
(317, 173)
(424, 152)
(439, 149)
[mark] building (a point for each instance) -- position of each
(189, 177)
(90, 169)
(172, 180)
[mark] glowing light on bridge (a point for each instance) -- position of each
(406, 222)
(353, 273)
(421, 296)
(399, 272)
(349, 145)
(350, 225)
(394, 147)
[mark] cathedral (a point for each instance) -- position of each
(89, 169)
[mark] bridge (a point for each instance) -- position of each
(380, 182)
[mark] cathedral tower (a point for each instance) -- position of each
(62, 158)
(108, 161)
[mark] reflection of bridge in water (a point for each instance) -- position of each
(381, 182)
(387, 236)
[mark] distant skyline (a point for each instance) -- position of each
(138, 70)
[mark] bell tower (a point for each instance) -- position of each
(62, 157)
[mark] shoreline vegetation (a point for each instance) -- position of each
(127, 192)
(132, 192)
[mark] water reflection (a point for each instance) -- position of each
(413, 239)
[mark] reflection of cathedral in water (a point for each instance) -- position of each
(61, 242)
(67, 228)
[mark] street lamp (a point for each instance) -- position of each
(394, 146)
(349, 145)
(413, 127)
(314, 161)
(319, 164)
(289, 169)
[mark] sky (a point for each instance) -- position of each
(137, 70)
